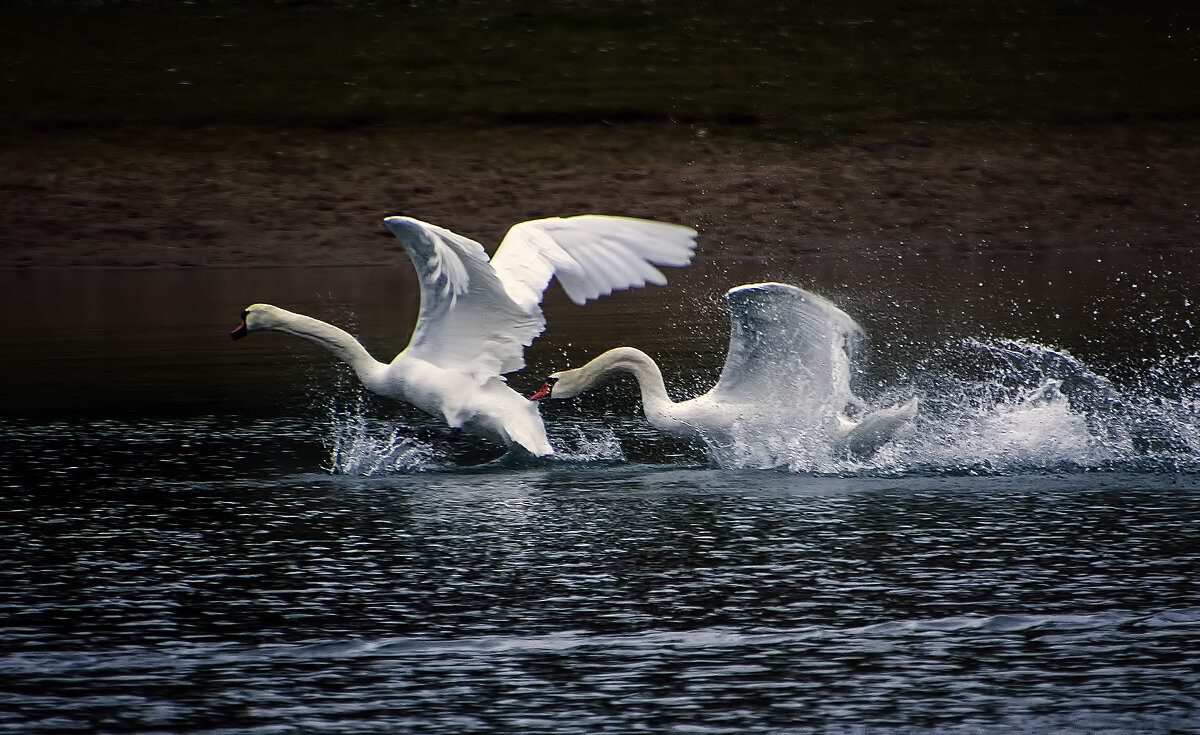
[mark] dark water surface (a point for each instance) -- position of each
(206, 536)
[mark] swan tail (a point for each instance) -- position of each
(878, 428)
(526, 431)
(536, 445)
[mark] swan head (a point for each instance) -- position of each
(547, 389)
(258, 317)
(565, 384)
(571, 383)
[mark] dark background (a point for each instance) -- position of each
(250, 133)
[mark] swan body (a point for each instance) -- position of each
(478, 315)
(787, 370)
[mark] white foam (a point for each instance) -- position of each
(580, 443)
(1000, 407)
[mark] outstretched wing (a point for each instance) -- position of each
(787, 347)
(467, 322)
(592, 255)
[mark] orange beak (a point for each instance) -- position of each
(545, 391)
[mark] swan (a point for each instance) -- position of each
(477, 316)
(787, 371)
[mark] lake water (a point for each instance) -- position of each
(214, 537)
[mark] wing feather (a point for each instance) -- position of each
(600, 270)
(591, 255)
(467, 320)
(787, 344)
(633, 267)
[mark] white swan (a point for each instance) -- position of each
(787, 371)
(477, 316)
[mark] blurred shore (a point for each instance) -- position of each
(323, 205)
(261, 133)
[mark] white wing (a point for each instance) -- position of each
(467, 322)
(592, 255)
(788, 347)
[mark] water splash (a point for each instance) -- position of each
(1001, 407)
(359, 448)
(1011, 405)
(586, 443)
(363, 446)
(986, 407)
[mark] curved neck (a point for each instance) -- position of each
(338, 341)
(638, 364)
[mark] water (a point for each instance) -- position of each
(206, 536)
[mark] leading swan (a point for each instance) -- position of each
(787, 373)
(477, 316)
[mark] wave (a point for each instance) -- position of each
(1060, 627)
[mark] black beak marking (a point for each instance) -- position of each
(241, 330)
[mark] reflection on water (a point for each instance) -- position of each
(200, 535)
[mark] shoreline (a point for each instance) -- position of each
(321, 203)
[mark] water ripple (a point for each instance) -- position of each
(746, 680)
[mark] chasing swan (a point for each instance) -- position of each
(787, 371)
(477, 316)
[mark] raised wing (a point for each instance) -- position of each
(787, 347)
(467, 322)
(592, 255)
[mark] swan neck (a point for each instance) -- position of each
(338, 341)
(643, 369)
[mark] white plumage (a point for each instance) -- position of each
(787, 372)
(478, 315)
